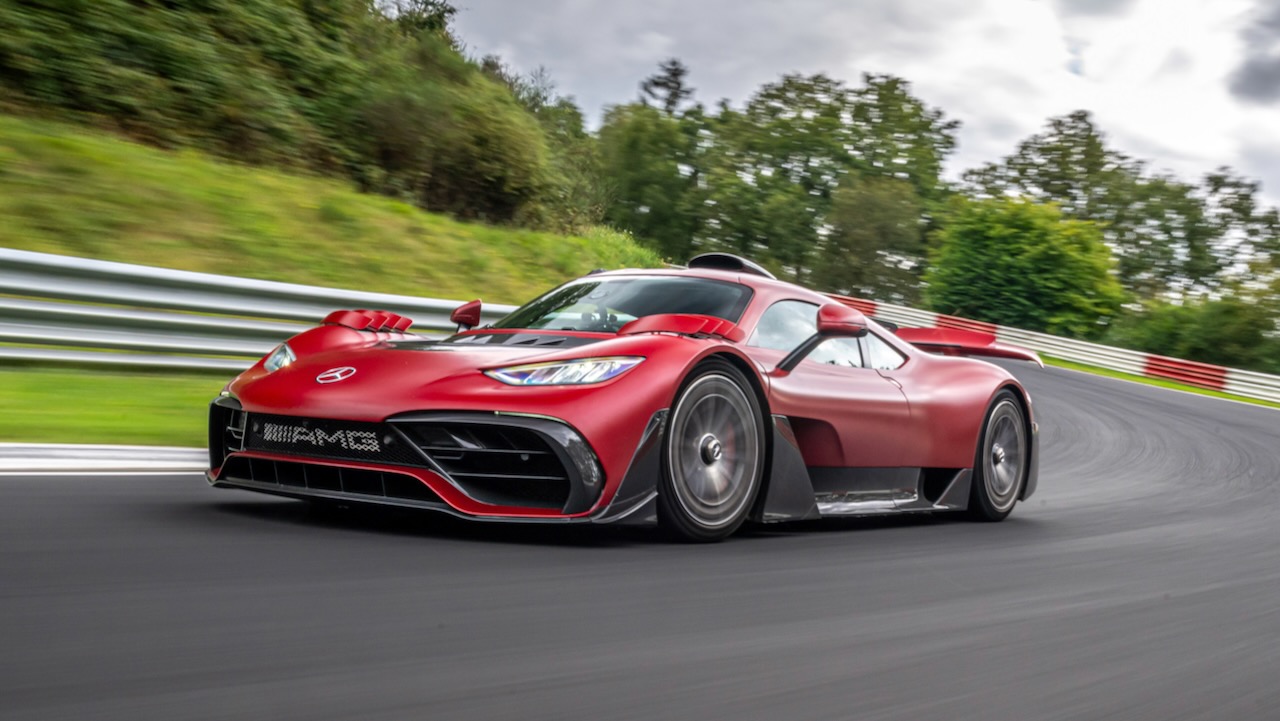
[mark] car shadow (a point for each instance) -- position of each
(431, 524)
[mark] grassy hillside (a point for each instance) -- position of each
(70, 191)
(377, 92)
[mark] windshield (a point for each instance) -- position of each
(607, 304)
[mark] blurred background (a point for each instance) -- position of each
(368, 145)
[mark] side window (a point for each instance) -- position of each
(838, 352)
(884, 357)
(785, 325)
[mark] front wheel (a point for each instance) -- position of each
(713, 457)
(1000, 468)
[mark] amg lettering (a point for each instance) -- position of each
(365, 441)
(320, 438)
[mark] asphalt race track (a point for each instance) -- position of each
(1142, 582)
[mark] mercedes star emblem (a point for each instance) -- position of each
(333, 375)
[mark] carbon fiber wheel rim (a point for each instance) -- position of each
(1004, 455)
(713, 455)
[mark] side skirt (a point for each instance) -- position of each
(886, 491)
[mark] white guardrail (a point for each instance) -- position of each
(74, 310)
(63, 310)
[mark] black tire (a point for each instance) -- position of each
(1000, 465)
(713, 455)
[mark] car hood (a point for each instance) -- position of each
(382, 378)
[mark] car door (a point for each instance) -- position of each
(845, 414)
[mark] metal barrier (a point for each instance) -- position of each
(81, 311)
(61, 309)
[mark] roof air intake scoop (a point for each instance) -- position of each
(729, 262)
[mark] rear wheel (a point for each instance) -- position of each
(1000, 469)
(713, 457)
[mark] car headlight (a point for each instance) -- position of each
(279, 358)
(565, 373)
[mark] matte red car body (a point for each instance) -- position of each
(927, 413)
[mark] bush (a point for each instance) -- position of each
(335, 86)
(1020, 264)
(1228, 331)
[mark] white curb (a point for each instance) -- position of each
(68, 458)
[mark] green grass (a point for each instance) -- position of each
(70, 191)
(1162, 383)
(46, 405)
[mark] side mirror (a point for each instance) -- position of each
(834, 321)
(837, 320)
(467, 316)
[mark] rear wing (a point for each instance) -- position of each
(945, 341)
(953, 341)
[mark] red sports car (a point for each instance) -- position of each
(695, 399)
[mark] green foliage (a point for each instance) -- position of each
(1168, 236)
(576, 195)
(874, 249)
(414, 17)
(645, 153)
(1020, 264)
(375, 91)
(776, 167)
(71, 192)
(761, 181)
(1228, 331)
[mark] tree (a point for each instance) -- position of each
(770, 171)
(668, 88)
(1019, 263)
(873, 249)
(1164, 237)
(798, 140)
(895, 134)
(1249, 232)
(1227, 331)
(417, 16)
(646, 155)
(534, 91)
(577, 194)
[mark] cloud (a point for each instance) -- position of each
(1177, 62)
(1093, 7)
(1158, 75)
(1258, 77)
(1261, 160)
(600, 50)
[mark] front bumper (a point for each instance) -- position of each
(483, 466)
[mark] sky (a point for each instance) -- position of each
(1188, 85)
